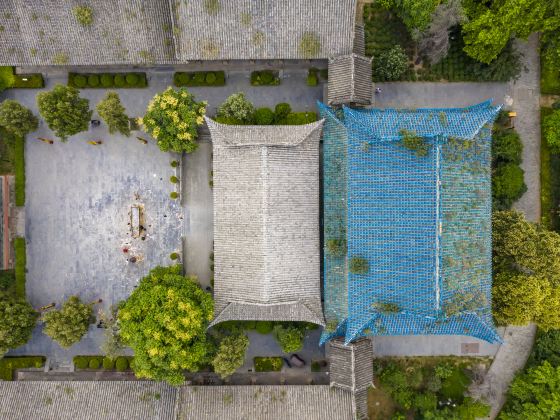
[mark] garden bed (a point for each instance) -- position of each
(268, 364)
(12, 161)
(107, 80)
(120, 364)
(550, 79)
(22, 81)
(199, 78)
(265, 78)
(9, 364)
(21, 261)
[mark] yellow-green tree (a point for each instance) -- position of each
(164, 321)
(68, 325)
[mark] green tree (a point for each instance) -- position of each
(490, 28)
(173, 118)
(113, 113)
(6, 77)
(526, 260)
(16, 118)
(64, 111)
(230, 355)
(290, 337)
(508, 185)
(236, 109)
(164, 321)
(391, 64)
(534, 394)
(17, 320)
(68, 325)
(416, 14)
(551, 126)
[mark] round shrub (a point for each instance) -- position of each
(108, 363)
(210, 77)
(507, 184)
(264, 327)
(79, 81)
(174, 179)
(358, 265)
(94, 363)
(281, 112)
(121, 363)
(130, 362)
(182, 79)
(80, 362)
(312, 80)
(391, 64)
(264, 116)
(174, 163)
(174, 195)
(119, 80)
(132, 79)
(199, 78)
(93, 80)
(107, 80)
(174, 256)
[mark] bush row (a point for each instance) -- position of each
(265, 78)
(282, 115)
(199, 78)
(19, 170)
(107, 80)
(9, 364)
(121, 363)
(262, 327)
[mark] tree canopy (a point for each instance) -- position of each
(230, 355)
(64, 111)
(17, 320)
(526, 260)
(16, 118)
(173, 118)
(68, 325)
(113, 113)
(164, 321)
(492, 24)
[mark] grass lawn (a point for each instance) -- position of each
(380, 404)
(550, 182)
(550, 79)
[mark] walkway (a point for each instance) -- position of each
(511, 357)
(526, 102)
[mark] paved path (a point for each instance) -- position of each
(511, 357)
(526, 102)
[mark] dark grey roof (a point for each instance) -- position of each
(351, 369)
(45, 32)
(294, 402)
(263, 29)
(350, 80)
(93, 400)
(266, 222)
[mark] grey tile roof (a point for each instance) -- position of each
(263, 29)
(44, 32)
(351, 369)
(350, 80)
(294, 402)
(94, 400)
(140, 400)
(266, 222)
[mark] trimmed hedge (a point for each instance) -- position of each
(121, 363)
(21, 261)
(199, 78)
(107, 80)
(19, 170)
(265, 78)
(9, 364)
(264, 327)
(22, 81)
(268, 364)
